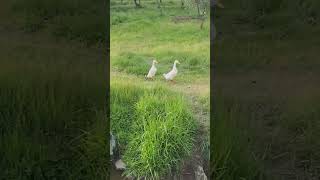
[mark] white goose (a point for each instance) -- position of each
(173, 73)
(153, 70)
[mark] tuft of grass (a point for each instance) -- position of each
(122, 99)
(155, 128)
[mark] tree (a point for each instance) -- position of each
(198, 6)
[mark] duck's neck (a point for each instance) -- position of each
(174, 65)
(153, 63)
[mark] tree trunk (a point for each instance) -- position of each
(198, 4)
(137, 3)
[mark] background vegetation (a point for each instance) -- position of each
(139, 34)
(53, 90)
(265, 96)
(79, 20)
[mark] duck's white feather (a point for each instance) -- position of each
(172, 74)
(152, 71)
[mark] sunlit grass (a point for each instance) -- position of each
(136, 40)
(155, 128)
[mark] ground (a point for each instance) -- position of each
(266, 73)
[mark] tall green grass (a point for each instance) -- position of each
(53, 90)
(155, 129)
(52, 113)
(231, 152)
(262, 138)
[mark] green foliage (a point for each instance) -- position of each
(256, 39)
(155, 126)
(133, 63)
(230, 153)
(122, 113)
(52, 118)
(118, 18)
(73, 19)
(136, 40)
(282, 30)
(92, 151)
(262, 12)
(199, 7)
(71, 27)
(302, 121)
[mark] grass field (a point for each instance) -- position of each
(266, 90)
(158, 123)
(52, 91)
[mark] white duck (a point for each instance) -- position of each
(153, 70)
(173, 73)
